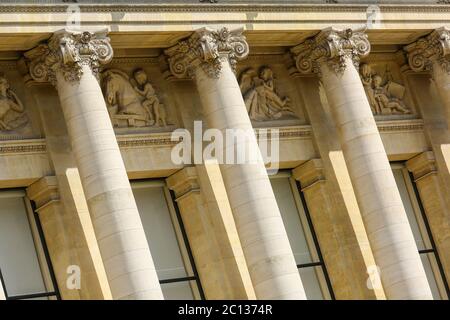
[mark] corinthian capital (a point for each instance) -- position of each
(433, 48)
(333, 47)
(67, 52)
(205, 49)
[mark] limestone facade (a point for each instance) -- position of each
(90, 193)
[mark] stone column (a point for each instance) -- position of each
(71, 62)
(432, 53)
(210, 57)
(432, 195)
(335, 55)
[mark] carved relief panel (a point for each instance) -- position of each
(132, 100)
(385, 88)
(12, 111)
(268, 91)
(261, 96)
(19, 119)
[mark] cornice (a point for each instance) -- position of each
(99, 8)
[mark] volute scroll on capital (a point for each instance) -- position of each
(433, 48)
(67, 52)
(206, 48)
(331, 46)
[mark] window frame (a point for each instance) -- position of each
(42, 253)
(319, 266)
(181, 235)
(425, 230)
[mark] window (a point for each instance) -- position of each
(302, 238)
(421, 231)
(167, 241)
(25, 267)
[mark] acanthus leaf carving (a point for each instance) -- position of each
(67, 52)
(433, 48)
(333, 47)
(205, 49)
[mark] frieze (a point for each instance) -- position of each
(260, 95)
(132, 101)
(12, 111)
(385, 96)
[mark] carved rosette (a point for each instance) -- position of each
(67, 52)
(206, 49)
(333, 47)
(433, 48)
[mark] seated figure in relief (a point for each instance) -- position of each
(151, 102)
(12, 111)
(260, 97)
(385, 96)
(132, 102)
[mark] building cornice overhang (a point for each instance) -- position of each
(289, 24)
(230, 7)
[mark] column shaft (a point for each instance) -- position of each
(118, 228)
(382, 209)
(258, 220)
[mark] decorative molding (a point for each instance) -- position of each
(31, 146)
(67, 52)
(288, 133)
(44, 192)
(145, 140)
(422, 165)
(309, 173)
(333, 47)
(18, 147)
(206, 49)
(434, 48)
(184, 182)
(220, 7)
(134, 61)
(400, 125)
(8, 65)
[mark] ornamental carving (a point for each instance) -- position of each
(432, 48)
(333, 47)
(206, 49)
(261, 97)
(67, 52)
(12, 111)
(132, 101)
(386, 97)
